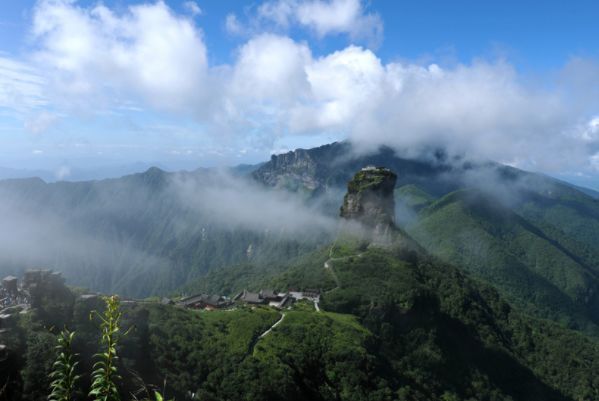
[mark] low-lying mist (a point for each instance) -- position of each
(236, 202)
(151, 232)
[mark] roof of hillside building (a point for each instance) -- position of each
(212, 300)
(251, 297)
(194, 299)
(9, 278)
(269, 294)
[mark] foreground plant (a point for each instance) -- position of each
(159, 397)
(63, 374)
(105, 374)
(149, 394)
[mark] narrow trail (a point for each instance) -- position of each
(328, 265)
(255, 341)
(278, 322)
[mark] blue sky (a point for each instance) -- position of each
(90, 86)
(537, 35)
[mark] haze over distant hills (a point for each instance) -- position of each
(154, 232)
(66, 173)
(386, 319)
(434, 236)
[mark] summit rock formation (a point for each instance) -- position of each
(369, 199)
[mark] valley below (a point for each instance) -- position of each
(322, 274)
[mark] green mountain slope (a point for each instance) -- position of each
(396, 325)
(533, 237)
(447, 336)
(134, 235)
(535, 265)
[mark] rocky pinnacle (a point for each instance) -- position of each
(369, 198)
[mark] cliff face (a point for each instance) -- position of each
(290, 169)
(369, 199)
(304, 170)
(328, 168)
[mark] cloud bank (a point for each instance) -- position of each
(276, 86)
(96, 54)
(238, 203)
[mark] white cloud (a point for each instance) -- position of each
(590, 133)
(62, 173)
(276, 87)
(239, 203)
(21, 86)
(193, 8)
(322, 17)
(340, 16)
(271, 68)
(40, 122)
(233, 26)
(483, 109)
(147, 52)
(279, 12)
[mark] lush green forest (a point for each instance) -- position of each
(534, 263)
(396, 325)
(488, 290)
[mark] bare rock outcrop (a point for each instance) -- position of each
(369, 199)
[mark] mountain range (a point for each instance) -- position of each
(419, 306)
(528, 235)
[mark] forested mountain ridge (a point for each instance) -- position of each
(398, 325)
(157, 232)
(533, 237)
(394, 323)
(533, 262)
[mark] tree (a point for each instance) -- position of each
(39, 358)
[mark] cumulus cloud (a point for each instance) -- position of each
(275, 86)
(483, 109)
(233, 25)
(193, 8)
(322, 17)
(147, 52)
(340, 16)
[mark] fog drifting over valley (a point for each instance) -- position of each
(98, 62)
(103, 233)
(237, 202)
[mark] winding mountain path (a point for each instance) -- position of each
(256, 339)
(329, 265)
(278, 322)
